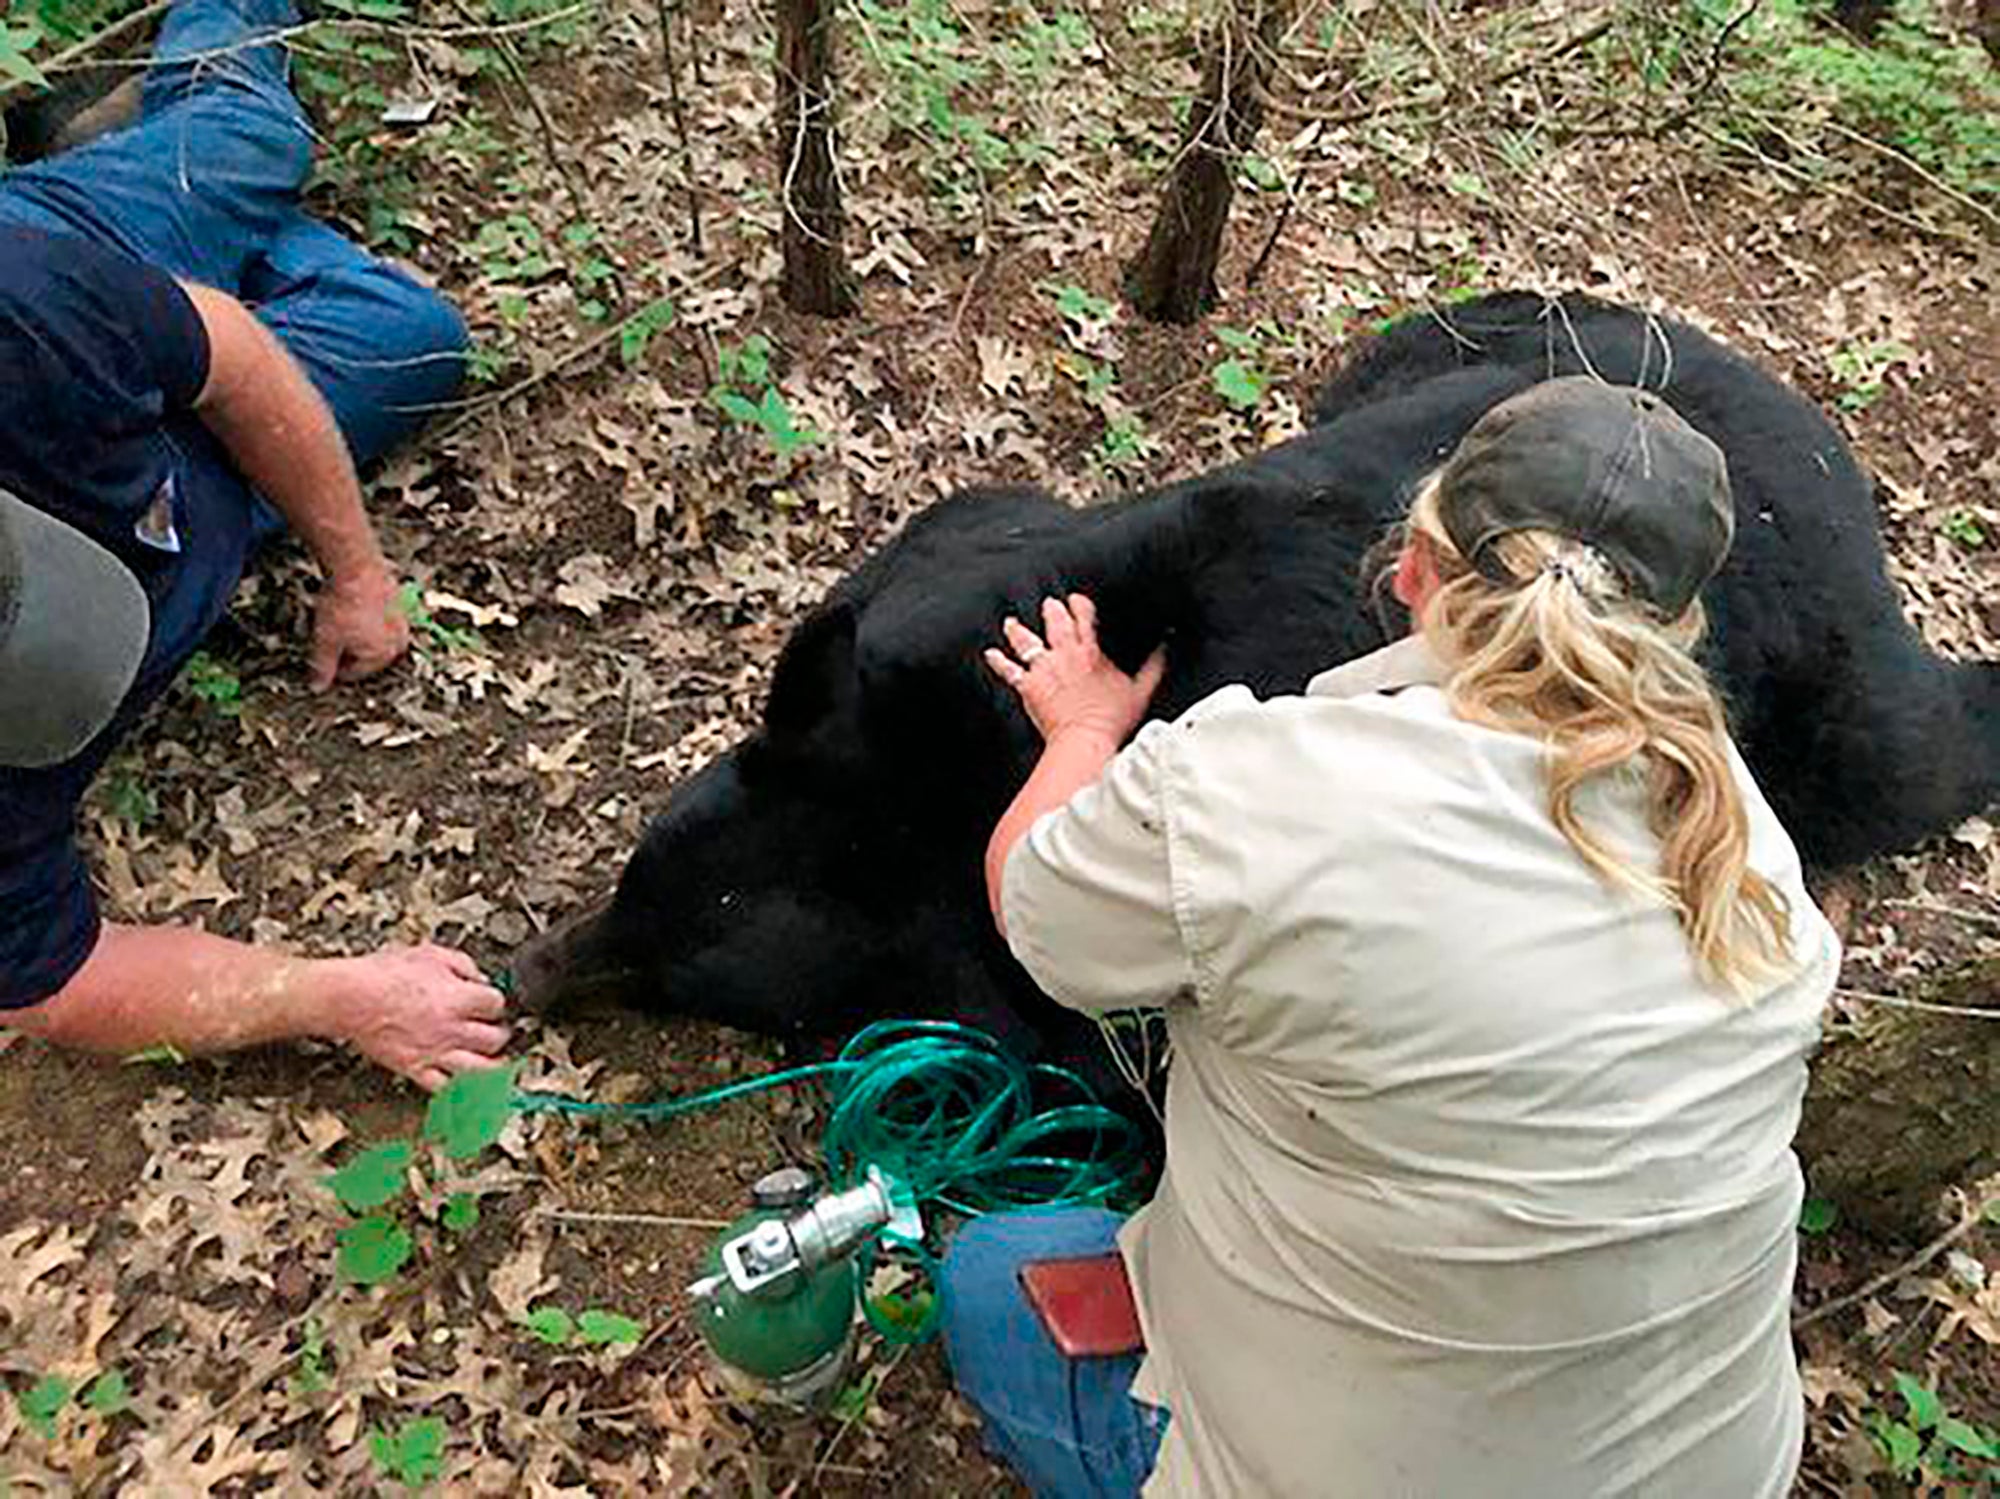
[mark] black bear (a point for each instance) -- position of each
(827, 871)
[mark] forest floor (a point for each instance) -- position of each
(608, 565)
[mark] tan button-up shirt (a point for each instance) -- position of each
(1473, 1186)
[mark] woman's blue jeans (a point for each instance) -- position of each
(1069, 1427)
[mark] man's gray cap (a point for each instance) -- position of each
(1607, 465)
(73, 629)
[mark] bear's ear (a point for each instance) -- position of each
(816, 679)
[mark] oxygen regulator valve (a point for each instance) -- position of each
(777, 1298)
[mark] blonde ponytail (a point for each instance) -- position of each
(1561, 653)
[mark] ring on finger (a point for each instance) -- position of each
(1030, 653)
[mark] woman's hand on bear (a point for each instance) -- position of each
(1066, 683)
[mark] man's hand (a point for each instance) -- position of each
(358, 628)
(284, 439)
(424, 1012)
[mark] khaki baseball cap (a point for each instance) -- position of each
(1607, 465)
(73, 629)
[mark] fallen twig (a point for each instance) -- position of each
(79, 53)
(650, 1220)
(1893, 1002)
(285, 35)
(1939, 908)
(1821, 184)
(1908, 163)
(1974, 1215)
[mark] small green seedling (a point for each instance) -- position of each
(310, 1377)
(17, 40)
(464, 1118)
(1241, 384)
(1930, 1444)
(593, 1327)
(429, 630)
(43, 1402)
(1963, 527)
(656, 317)
(1817, 1216)
(413, 1455)
(1244, 379)
(1124, 444)
(745, 393)
(132, 800)
(214, 683)
(1862, 366)
(108, 1395)
(1074, 303)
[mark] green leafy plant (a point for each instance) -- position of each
(655, 317)
(1459, 280)
(594, 277)
(17, 40)
(1260, 173)
(413, 1455)
(1963, 527)
(42, 1403)
(429, 630)
(595, 1326)
(132, 800)
(1915, 86)
(1241, 384)
(1817, 1216)
(464, 1118)
(851, 1404)
(1125, 444)
(934, 68)
(309, 1376)
(214, 683)
(108, 1394)
(1928, 1443)
(1244, 379)
(511, 248)
(1862, 365)
(745, 393)
(1074, 303)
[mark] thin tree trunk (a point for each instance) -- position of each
(816, 278)
(1863, 18)
(1906, 1108)
(1172, 280)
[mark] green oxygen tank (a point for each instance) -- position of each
(779, 1289)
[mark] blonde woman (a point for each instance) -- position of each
(1491, 980)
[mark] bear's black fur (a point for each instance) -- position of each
(828, 870)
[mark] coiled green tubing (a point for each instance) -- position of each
(947, 1113)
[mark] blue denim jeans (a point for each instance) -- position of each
(1069, 1427)
(206, 186)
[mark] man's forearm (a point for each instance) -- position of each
(283, 437)
(172, 986)
(1069, 762)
